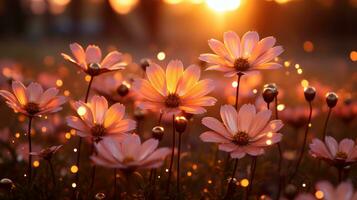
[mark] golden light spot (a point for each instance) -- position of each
(286, 64)
(22, 118)
(234, 84)
(36, 163)
(73, 132)
(304, 83)
(228, 5)
(299, 71)
(353, 56)
(166, 170)
(310, 124)
(67, 136)
(81, 110)
(74, 185)
(123, 6)
(161, 55)
(66, 93)
(172, 1)
(244, 182)
(17, 135)
(303, 184)
(189, 173)
(319, 194)
(282, 1)
(268, 142)
(194, 167)
(87, 78)
(270, 134)
(297, 66)
(74, 169)
(205, 190)
(308, 46)
(255, 91)
(281, 107)
(59, 82)
(126, 84)
(209, 181)
(44, 129)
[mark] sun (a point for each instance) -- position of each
(223, 6)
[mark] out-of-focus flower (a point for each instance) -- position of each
(296, 116)
(242, 56)
(47, 153)
(338, 154)
(32, 100)
(177, 90)
(347, 111)
(129, 154)
(326, 191)
(4, 134)
(22, 151)
(9, 71)
(90, 60)
(96, 120)
(245, 132)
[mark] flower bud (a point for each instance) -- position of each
(144, 63)
(139, 114)
(309, 93)
(123, 90)
(6, 184)
(180, 124)
(268, 95)
(158, 132)
(331, 99)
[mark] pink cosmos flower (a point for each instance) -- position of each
(338, 154)
(130, 154)
(242, 56)
(245, 132)
(297, 116)
(96, 120)
(90, 60)
(347, 111)
(344, 191)
(47, 153)
(32, 100)
(176, 90)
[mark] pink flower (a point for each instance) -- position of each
(90, 61)
(296, 116)
(344, 191)
(32, 100)
(245, 132)
(176, 90)
(242, 56)
(96, 120)
(47, 153)
(338, 154)
(129, 154)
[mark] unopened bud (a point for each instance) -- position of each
(123, 90)
(309, 93)
(158, 132)
(144, 63)
(331, 99)
(180, 124)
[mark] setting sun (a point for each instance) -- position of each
(219, 6)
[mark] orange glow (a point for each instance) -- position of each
(123, 7)
(223, 6)
(308, 46)
(172, 1)
(353, 56)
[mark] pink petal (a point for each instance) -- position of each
(332, 145)
(273, 126)
(34, 92)
(217, 126)
(268, 55)
(227, 147)
(229, 118)
(249, 40)
(346, 145)
(318, 148)
(20, 92)
(47, 96)
(232, 42)
(174, 72)
(214, 59)
(114, 114)
(327, 189)
(78, 53)
(146, 90)
(259, 122)
(210, 136)
(261, 47)
(202, 88)
(189, 79)
(196, 110)
(202, 101)
(8, 96)
(238, 153)
(253, 150)
(219, 48)
(76, 123)
(123, 126)
(147, 148)
(131, 146)
(112, 60)
(156, 76)
(246, 115)
(93, 54)
(221, 68)
(344, 191)
(269, 65)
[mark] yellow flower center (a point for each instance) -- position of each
(341, 155)
(32, 108)
(98, 131)
(241, 64)
(172, 101)
(241, 138)
(128, 160)
(93, 69)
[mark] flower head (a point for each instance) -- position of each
(176, 90)
(90, 60)
(244, 55)
(96, 120)
(245, 132)
(327, 191)
(130, 154)
(47, 153)
(32, 100)
(338, 154)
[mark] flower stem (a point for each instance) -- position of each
(172, 156)
(340, 171)
(276, 107)
(237, 90)
(178, 163)
(230, 184)
(252, 171)
(326, 122)
(29, 170)
(304, 144)
(93, 168)
(115, 183)
(52, 173)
